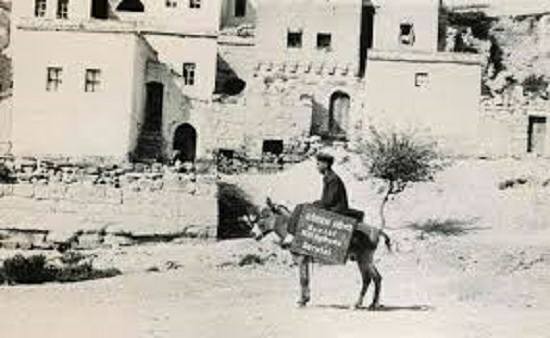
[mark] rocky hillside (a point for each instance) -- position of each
(5, 8)
(515, 49)
(5, 62)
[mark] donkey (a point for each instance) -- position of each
(274, 218)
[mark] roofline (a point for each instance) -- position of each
(106, 27)
(423, 57)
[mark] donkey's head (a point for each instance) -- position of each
(272, 217)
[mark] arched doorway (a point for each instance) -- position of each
(338, 115)
(185, 142)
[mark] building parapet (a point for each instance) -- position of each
(233, 40)
(111, 26)
(307, 67)
(491, 108)
(408, 56)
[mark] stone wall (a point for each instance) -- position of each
(504, 129)
(282, 101)
(142, 208)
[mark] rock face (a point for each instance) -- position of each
(5, 8)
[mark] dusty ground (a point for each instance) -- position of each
(486, 277)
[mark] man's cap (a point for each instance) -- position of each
(324, 157)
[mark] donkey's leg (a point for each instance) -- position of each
(377, 287)
(305, 295)
(362, 263)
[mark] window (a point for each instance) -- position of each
(100, 9)
(92, 81)
(194, 3)
(406, 34)
(421, 80)
(62, 9)
(53, 79)
(324, 40)
(171, 3)
(240, 8)
(189, 73)
(40, 8)
(294, 40)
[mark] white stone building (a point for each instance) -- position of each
(136, 78)
(112, 78)
(333, 68)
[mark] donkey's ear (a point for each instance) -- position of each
(269, 202)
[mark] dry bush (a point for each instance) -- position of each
(398, 158)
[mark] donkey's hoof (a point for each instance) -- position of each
(303, 302)
(358, 306)
(375, 307)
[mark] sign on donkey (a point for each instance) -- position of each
(323, 235)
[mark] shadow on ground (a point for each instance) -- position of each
(448, 227)
(382, 308)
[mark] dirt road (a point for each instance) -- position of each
(474, 263)
(432, 290)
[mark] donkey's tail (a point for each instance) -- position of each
(387, 240)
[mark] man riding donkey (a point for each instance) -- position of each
(334, 199)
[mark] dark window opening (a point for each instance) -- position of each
(227, 154)
(130, 6)
(536, 135)
(240, 8)
(171, 3)
(63, 9)
(196, 4)
(294, 40)
(92, 80)
(421, 80)
(40, 8)
(53, 81)
(273, 147)
(189, 70)
(366, 37)
(324, 40)
(406, 34)
(100, 9)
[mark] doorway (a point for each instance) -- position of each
(185, 142)
(338, 115)
(154, 106)
(536, 135)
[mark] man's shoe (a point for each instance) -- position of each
(287, 241)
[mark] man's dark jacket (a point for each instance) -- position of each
(334, 197)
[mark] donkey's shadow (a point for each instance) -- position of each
(381, 308)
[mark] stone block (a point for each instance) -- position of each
(23, 190)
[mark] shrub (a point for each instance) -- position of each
(36, 270)
(6, 175)
(31, 270)
(83, 272)
(398, 158)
